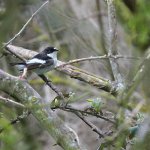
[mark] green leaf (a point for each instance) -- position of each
(96, 104)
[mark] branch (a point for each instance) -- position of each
(11, 102)
(25, 25)
(112, 44)
(21, 90)
(70, 109)
(91, 125)
(143, 68)
(49, 83)
(73, 72)
(16, 120)
(80, 114)
(103, 39)
(96, 58)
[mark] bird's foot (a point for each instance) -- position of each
(21, 77)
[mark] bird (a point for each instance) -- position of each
(40, 63)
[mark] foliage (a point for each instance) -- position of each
(136, 23)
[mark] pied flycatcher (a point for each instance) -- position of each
(40, 63)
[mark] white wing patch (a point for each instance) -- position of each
(35, 60)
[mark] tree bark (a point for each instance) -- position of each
(24, 93)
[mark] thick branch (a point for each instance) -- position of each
(103, 35)
(112, 43)
(23, 92)
(72, 71)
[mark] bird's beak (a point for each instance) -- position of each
(56, 49)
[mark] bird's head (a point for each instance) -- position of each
(51, 52)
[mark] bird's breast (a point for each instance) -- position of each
(43, 70)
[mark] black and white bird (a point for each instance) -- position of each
(40, 63)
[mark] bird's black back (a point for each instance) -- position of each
(43, 55)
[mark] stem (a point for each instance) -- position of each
(112, 44)
(26, 24)
(11, 102)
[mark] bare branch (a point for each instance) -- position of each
(96, 58)
(49, 83)
(23, 52)
(143, 68)
(11, 102)
(81, 60)
(91, 125)
(26, 24)
(70, 109)
(112, 43)
(103, 35)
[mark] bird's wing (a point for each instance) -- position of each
(36, 56)
(40, 55)
(39, 63)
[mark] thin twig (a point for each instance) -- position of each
(70, 109)
(91, 125)
(82, 59)
(139, 76)
(79, 114)
(95, 58)
(11, 102)
(16, 120)
(49, 83)
(26, 24)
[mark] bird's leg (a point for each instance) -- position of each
(24, 73)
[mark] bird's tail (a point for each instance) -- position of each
(20, 63)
